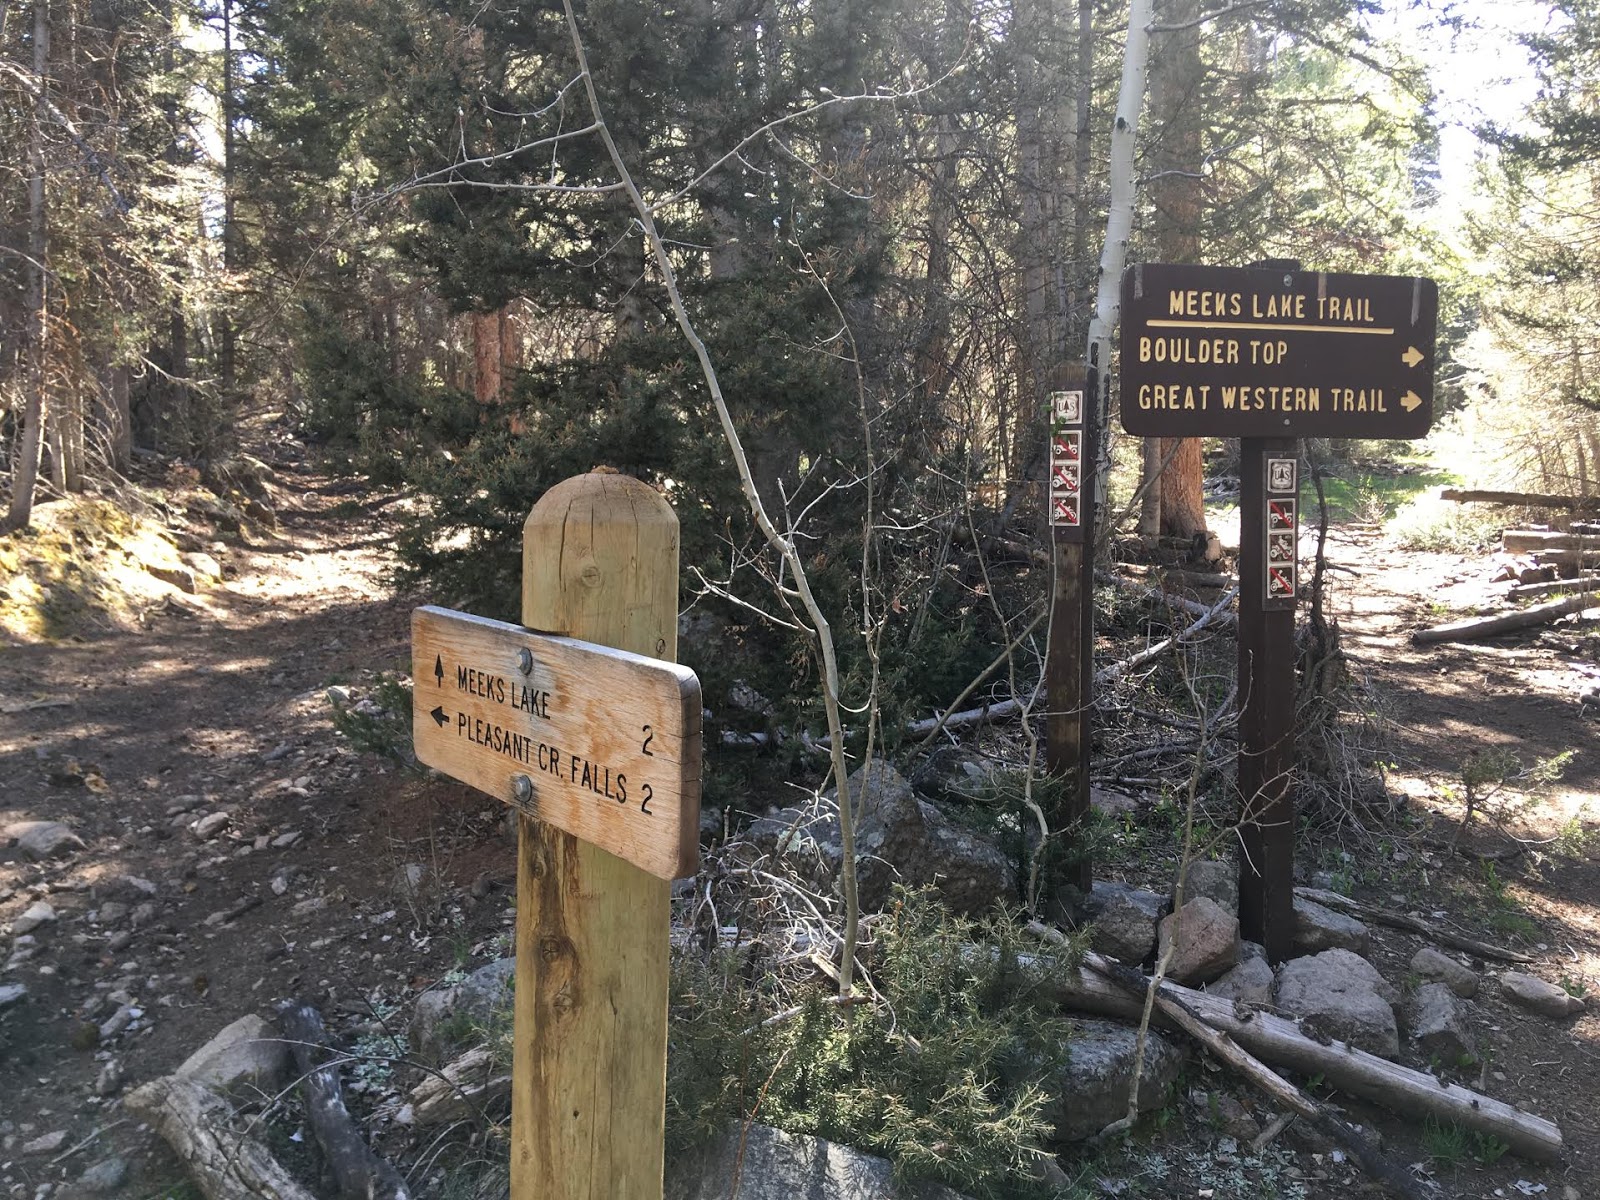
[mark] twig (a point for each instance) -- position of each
(1398, 920)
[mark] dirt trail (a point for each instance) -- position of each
(218, 706)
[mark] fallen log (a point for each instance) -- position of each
(1412, 1094)
(1165, 599)
(1537, 541)
(362, 1175)
(1521, 499)
(1401, 1182)
(1400, 920)
(1583, 584)
(197, 1124)
(1522, 618)
(467, 1087)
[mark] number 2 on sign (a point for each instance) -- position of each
(648, 738)
(644, 804)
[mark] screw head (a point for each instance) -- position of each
(522, 788)
(525, 661)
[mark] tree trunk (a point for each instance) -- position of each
(116, 416)
(1175, 192)
(226, 370)
(486, 350)
(25, 474)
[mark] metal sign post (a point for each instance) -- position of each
(1270, 354)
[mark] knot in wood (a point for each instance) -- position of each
(552, 948)
(590, 576)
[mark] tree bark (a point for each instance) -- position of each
(25, 471)
(1539, 614)
(486, 352)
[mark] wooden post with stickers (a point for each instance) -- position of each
(1271, 354)
(1069, 666)
(597, 745)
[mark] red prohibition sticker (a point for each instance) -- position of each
(1063, 511)
(1280, 582)
(1280, 514)
(1065, 478)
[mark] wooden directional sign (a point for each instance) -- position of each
(598, 742)
(1251, 352)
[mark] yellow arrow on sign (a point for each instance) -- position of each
(1411, 401)
(1412, 356)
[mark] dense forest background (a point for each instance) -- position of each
(394, 226)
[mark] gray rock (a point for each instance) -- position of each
(1248, 983)
(408, 881)
(117, 1023)
(35, 916)
(1092, 1090)
(102, 1179)
(1318, 928)
(773, 1165)
(1434, 964)
(1216, 881)
(179, 576)
(113, 912)
(12, 993)
(1124, 920)
(135, 888)
(47, 1144)
(1338, 994)
(203, 565)
(1207, 941)
(247, 1053)
(209, 825)
(39, 840)
(1536, 995)
(444, 1017)
(1436, 1018)
(1113, 804)
(899, 839)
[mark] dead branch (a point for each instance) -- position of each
(197, 1124)
(362, 1175)
(463, 1089)
(1521, 499)
(1399, 920)
(1164, 599)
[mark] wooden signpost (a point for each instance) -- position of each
(598, 748)
(1269, 354)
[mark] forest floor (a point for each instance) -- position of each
(217, 703)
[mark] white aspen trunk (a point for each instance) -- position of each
(1119, 226)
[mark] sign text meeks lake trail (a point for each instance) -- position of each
(607, 741)
(1253, 352)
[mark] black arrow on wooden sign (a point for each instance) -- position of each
(439, 715)
(438, 670)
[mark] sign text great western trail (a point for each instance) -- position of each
(608, 742)
(1251, 352)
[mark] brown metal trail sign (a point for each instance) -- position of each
(1252, 352)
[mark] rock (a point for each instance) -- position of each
(143, 914)
(247, 1053)
(900, 839)
(1113, 804)
(1536, 995)
(1091, 1091)
(12, 993)
(1248, 983)
(770, 1164)
(37, 914)
(112, 912)
(117, 1022)
(1216, 881)
(203, 565)
(1339, 994)
(284, 840)
(1208, 941)
(109, 1079)
(209, 826)
(102, 1179)
(178, 575)
(1318, 928)
(1437, 1021)
(1226, 1114)
(40, 840)
(135, 888)
(48, 1144)
(1124, 920)
(444, 1017)
(1434, 964)
(408, 881)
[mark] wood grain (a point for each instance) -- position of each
(600, 562)
(610, 740)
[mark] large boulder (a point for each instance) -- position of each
(1124, 920)
(1248, 983)
(1436, 965)
(1536, 995)
(1436, 1019)
(248, 1054)
(900, 838)
(1340, 995)
(1091, 1090)
(770, 1164)
(444, 1018)
(1318, 927)
(1207, 941)
(1217, 881)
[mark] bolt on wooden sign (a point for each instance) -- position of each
(596, 741)
(1252, 352)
